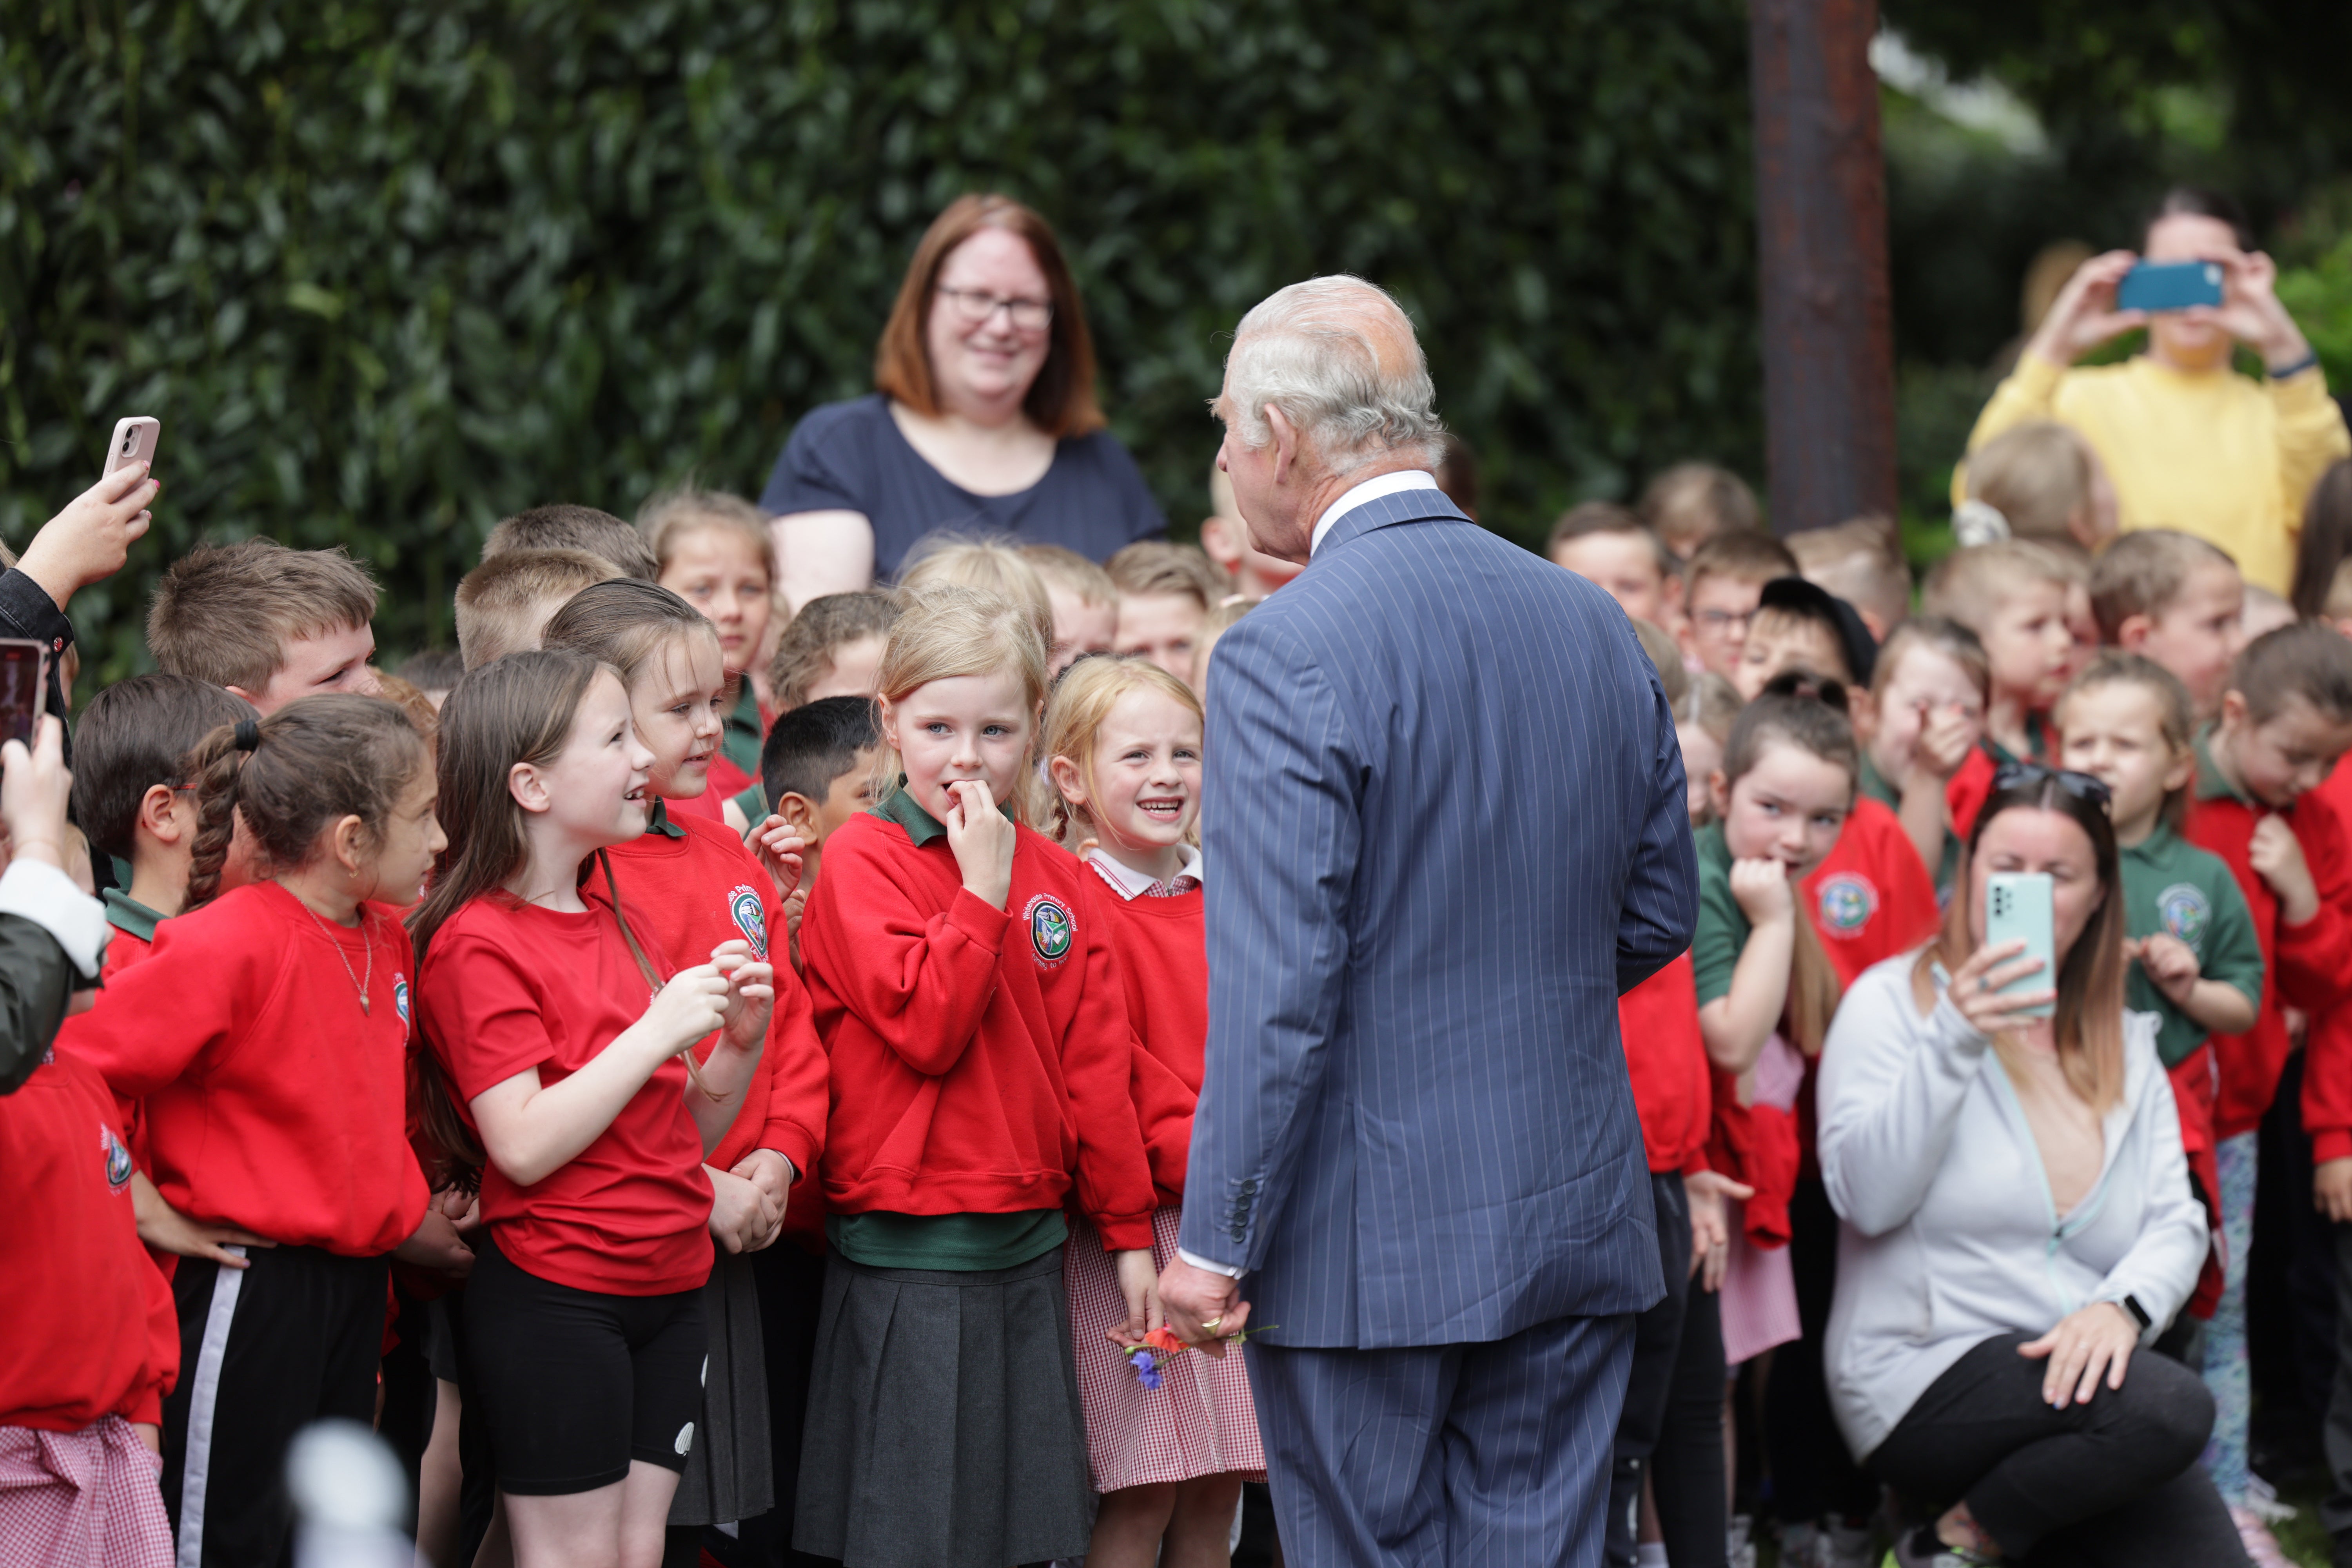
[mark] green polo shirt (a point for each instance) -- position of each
(1948, 865)
(128, 915)
(1722, 925)
(2037, 742)
(962, 1243)
(740, 742)
(2173, 888)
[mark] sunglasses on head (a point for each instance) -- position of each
(2025, 775)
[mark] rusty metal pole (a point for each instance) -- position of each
(1820, 222)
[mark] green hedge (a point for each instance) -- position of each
(387, 273)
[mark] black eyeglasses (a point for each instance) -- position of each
(976, 305)
(2025, 775)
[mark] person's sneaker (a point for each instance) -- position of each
(2260, 1544)
(1920, 1549)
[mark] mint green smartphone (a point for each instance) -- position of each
(2018, 905)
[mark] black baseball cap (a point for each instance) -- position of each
(1802, 596)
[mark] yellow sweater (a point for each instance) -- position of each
(2215, 454)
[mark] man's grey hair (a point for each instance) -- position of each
(1311, 351)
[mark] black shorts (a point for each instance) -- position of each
(576, 1384)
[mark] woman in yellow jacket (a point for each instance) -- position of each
(2188, 443)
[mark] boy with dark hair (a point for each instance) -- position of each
(132, 794)
(2172, 597)
(815, 769)
(564, 526)
(1720, 588)
(265, 622)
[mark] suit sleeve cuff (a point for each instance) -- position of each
(40, 892)
(1229, 1271)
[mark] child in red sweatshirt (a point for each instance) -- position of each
(981, 1054)
(1123, 748)
(267, 1034)
(688, 886)
(582, 1105)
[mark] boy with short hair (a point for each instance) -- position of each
(564, 526)
(2176, 599)
(816, 767)
(1861, 561)
(1918, 725)
(1165, 594)
(1800, 625)
(133, 797)
(506, 602)
(265, 622)
(1225, 539)
(1691, 505)
(1720, 588)
(2012, 595)
(1606, 545)
(1086, 604)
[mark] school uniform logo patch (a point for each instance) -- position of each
(1051, 930)
(750, 918)
(1847, 902)
(2185, 910)
(400, 996)
(117, 1159)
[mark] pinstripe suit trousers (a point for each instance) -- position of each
(1445, 1456)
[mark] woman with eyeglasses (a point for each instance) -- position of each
(2017, 1221)
(983, 418)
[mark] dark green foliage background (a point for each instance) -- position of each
(387, 273)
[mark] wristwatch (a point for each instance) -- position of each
(2139, 1313)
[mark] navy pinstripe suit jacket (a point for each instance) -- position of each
(1446, 827)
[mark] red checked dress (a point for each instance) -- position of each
(1200, 1421)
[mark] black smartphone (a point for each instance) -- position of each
(24, 689)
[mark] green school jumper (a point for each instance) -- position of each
(2173, 888)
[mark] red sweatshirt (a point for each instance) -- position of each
(979, 1058)
(2327, 1049)
(1666, 1059)
(686, 895)
(1870, 898)
(91, 1327)
(2303, 966)
(272, 1102)
(1160, 948)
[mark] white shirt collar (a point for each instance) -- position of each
(1130, 884)
(1371, 489)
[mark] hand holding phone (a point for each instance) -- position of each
(91, 538)
(24, 690)
(135, 437)
(2170, 286)
(2018, 907)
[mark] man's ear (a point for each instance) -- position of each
(1286, 447)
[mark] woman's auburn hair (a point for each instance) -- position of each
(2088, 1028)
(1061, 401)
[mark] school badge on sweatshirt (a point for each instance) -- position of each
(743, 907)
(1847, 902)
(1051, 930)
(117, 1159)
(399, 997)
(2185, 911)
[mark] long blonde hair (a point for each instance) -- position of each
(1082, 704)
(967, 561)
(945, 631)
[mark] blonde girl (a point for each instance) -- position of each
(715, 552)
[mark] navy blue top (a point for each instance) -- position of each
(851, 456)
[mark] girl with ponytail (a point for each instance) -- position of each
(267, 1034)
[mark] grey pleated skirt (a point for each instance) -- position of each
(731, 1471)
(944, 1429)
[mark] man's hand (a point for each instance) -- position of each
(1201, 1306)
(2277, 856)
(436, 1244)
(89, 541)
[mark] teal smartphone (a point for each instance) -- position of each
(2169, 285)
(2018, 905)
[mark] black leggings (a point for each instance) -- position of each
(2113, 1482)
(1813, 1473)
(1673, 1422)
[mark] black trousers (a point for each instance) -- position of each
(1671, 1427)
(2111, 1484)
(792, 1296)
(1813, 1472)
(264, 1351)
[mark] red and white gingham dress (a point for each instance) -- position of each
(82, 1500)
(1199, 1422)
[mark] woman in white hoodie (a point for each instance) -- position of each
(2017, 1220)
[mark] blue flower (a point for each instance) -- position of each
(1146, 1370)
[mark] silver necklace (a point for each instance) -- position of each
(357, 983)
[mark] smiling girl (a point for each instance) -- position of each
(1123, 748)
(981, 1053)
(268, 1033)
(580, 1106)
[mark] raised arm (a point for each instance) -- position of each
(1278, 931)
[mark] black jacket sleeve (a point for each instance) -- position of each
(37, 980)
(27, 610)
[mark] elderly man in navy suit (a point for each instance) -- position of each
(1445, 807)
